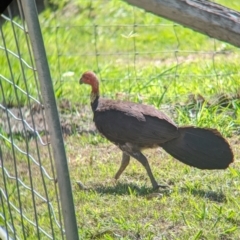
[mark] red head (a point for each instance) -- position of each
(91, 79)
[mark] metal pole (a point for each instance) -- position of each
(65, 189)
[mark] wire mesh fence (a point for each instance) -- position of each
(30, 205)
(137, 56)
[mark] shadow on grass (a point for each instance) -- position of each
(133, 189)
(128, 189)
(208, 194)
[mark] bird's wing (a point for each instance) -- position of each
(121, 123)
(132, 109)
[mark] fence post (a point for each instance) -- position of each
(65, 189)
(206, 17)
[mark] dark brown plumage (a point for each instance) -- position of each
(133, 127)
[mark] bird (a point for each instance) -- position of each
(134, 127)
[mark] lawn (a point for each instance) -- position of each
(141, 58)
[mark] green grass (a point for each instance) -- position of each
(142, 58)
(200, 205)
(135, 60)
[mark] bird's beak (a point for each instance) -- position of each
(80, 81)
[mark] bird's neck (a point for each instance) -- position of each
(94, 96)
(94, 102)
(95, 92)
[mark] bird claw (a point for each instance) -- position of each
(162, 186)
(82, 186)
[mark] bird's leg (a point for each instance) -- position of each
(133, 151)
(143, 160)
(124, 164)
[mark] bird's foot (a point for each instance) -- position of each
(163, 188)
(159, 190)
(82, 186)
(163, 185)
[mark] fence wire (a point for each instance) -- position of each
(109, 38)
(99, 55)
(29, 197)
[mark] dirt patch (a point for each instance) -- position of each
(76, 118)
(26, 121)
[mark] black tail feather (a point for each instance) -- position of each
(201, 148)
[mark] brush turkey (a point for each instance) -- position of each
(134, 127)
